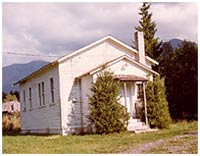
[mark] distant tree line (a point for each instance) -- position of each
(179, 68)
(11, 96)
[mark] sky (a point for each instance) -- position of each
(56, 29)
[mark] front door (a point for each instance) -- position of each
(128, 97)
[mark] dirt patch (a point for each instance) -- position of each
(181, 144)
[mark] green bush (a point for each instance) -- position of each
(157, 105)
(106, 113)
(10, 97)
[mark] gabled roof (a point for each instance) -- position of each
(106, 38)
(109, 38)
(107, 64)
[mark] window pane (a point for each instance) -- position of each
(51, 84)
(39, 93)
(24, 100)
(30, 97)
(139, 91)
(52, 90)
(43, 97)
(42, 87)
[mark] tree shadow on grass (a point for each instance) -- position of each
(18, 133)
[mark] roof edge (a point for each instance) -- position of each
(35, 72)
(152, 60)
(116, 40)
(130, 59)
(95, 43)
(96, 69)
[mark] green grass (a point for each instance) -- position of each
(113, 143)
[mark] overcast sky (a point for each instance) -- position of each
(60, 28)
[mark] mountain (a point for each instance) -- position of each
(15, 72)
(175, 42)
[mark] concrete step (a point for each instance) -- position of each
(134, 120)
(135, 124)
(136, 127)
(145, 130)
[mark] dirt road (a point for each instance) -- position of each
(181, 144)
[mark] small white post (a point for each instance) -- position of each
(125, 94)
(145, 103)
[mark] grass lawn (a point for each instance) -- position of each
(113, 143)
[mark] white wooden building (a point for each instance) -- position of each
(54, 98)
(10, 107)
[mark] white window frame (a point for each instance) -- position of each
(43, 93)
(39, 95)
(24, 100)
(52, 90)
(30, 98)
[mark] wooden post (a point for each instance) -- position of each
(145, 103)
(125, 94)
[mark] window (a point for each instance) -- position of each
(139, 90)
(43, 97)
(12, 107)
(39, 94)
(30, 98)
(52, 90)
(24, 100)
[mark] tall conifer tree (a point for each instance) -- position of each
(179, 66)
(148, 27)
(157, 105)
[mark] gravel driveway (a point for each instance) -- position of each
(168, 145)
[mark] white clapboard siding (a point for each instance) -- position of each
(39, 119)
(79, 64)
(86, 84)
(127, 67)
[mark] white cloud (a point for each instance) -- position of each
(59, 28)
(178, 20)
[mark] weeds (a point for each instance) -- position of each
(11, 123)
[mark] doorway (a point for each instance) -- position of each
(127, 97)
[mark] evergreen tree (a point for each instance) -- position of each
(157, 105)
(17, 94)
(179, 67)
(148, 27)
(10, 97)
(187, 89)
(3, 95)
(106, 113)
(165, 59)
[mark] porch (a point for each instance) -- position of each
(133, 97)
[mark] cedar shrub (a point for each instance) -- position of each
(157, 105)
(106, 113)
